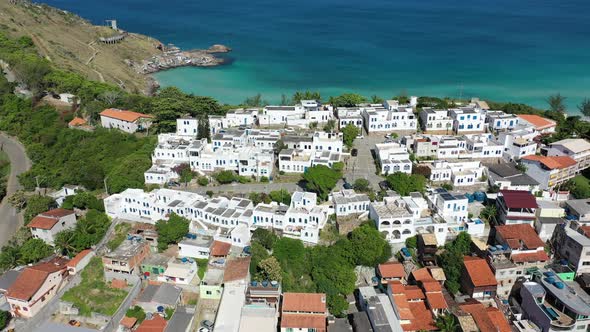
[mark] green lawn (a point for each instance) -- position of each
(119, 236)
(93, 294)
(581, 187)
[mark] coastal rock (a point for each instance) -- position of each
(218, 48)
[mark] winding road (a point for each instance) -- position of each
(10, 220)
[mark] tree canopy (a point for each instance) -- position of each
(347, 100)
(321, 180)
(451, 260)
(404, 183)
(89, 230)
(556, 103)
(349, 133)
(171, 231)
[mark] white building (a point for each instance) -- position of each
(324, 149)
(519, 142)
(347, 202)
(302, 114)
(303, 219)
(393, 157)
(542, 126)
(198, 247)
(453, 208)
(126, 121)
(467, 120)
(350, 115)
(391, 117)
(498, 120)
(187, 126)
(436, 121)
(179, 272)
(46, 225)
(459, 173)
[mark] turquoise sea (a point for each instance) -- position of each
(502, 50)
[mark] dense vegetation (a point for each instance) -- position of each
(327, 269)
(404, 183)
(89, 230)
(451, 260)
(4, 172)
(171, 231)
(322, 179)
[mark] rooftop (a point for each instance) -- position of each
(164, 293)
(47, 220)
(392, 270)
(519, 236)
(220, 248)
(552, 162)
(488, 319)
(124, 115)
(33, 277)
(517, 199)
(579, 206)
(576, 145)
(237, 269)
(304, 302)
(537, 121)
(479, 272)
(127, 249)
(180, 321)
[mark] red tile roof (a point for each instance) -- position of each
(392, 270)
(303, 321)
(516, 234)
(553, 162)
(585, 230)
(422, 274)
(156, 324)
(77, 122)
(219, 248)
(124, 115)
(539, 256)
(304, 302)
(47, 220)
(487, 319)
(519, 199)
(422, 318)
(436, 300)
(78, 257)
(33, 277)
(431, 286)
(237, 269)
(479, 272)
(537, 121)
(128, 322)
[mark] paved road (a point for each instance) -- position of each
(363, 165)
(10, 220)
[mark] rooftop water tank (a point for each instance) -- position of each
(254, 283)
(479, 196)
(264, 283)
(559, 285)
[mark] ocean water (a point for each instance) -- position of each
(501, 50)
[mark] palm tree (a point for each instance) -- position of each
(584, 107)
(557, 103)
(489, 214)
(447, 323)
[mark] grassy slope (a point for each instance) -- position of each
(64, 39)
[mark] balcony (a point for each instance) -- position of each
(559, 320)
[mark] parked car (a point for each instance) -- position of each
(384, 185)
(354, 152)
(347, 185)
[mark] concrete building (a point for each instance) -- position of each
(516, 207)
(549, 216)
(457, 173)
(155, 298)
(198, 248)
(579, 209)
(517, 248)
(477, 279)
(474, 316)
(126, 121)
(35, 286)
(572, 243)
(575, 148)
(550, 171)
(499, 121)
(553, 304)
(46, 225)
(468, 120)
(179, 272)
(379, 309)
(126, 259)
(506, 176)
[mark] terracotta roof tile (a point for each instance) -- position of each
(219, 248)
(128, 322)
(487, 319)
(431, 286)
(479, 272)
(33, 277)
(304, 302)
(537, 121)
(518, 199)
(156, 324)
(392, 270)
(436, 300)
(47, 220)
(552, 162)
(414, 293)
(422, 274)
(422, 318)
(522, 233)
(124, 115)
(237, 269)
(303, 321)
(77, 122)
(539, 256)
(78, 258)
